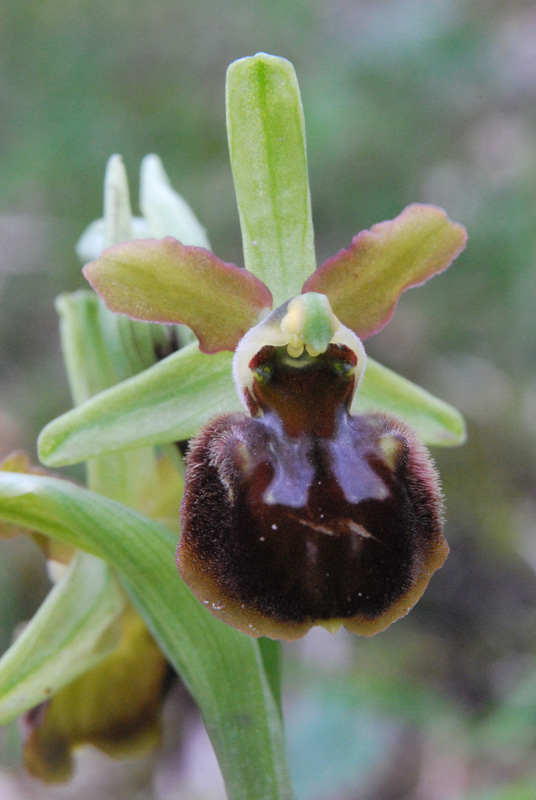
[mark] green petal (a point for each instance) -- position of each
(117, 213)
(222, 668)
(73, 630)
(166, 212)
(92, 241)
(168, 402)
(166, 281)
(266, 135)
(364, 282)
(436, 422)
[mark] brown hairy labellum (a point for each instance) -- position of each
(305, 514)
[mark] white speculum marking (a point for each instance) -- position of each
(351, 526)
(360, 530)
(319, 528)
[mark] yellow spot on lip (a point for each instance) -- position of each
(331, 625)
(391, 449)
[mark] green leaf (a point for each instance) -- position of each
(73, 630)
(166, 281)
(221, 667)
(130, 345)
(436, 422)
(166, 403)
(266, 135)
(364, 282)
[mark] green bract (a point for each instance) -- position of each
(133, 389)
(70, 633)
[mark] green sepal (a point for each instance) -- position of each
(74, 629)
(166, 403)
(363, 283)
(436, 422)
(166, 213)
(222, 668)
(162, 280)
(266, 134)
(117, 211)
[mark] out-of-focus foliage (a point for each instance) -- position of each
(404, 101)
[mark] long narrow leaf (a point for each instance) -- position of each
(222, 668)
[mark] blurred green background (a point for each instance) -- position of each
(405, 100)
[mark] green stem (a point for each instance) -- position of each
(271, 659)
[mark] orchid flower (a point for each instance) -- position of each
(309, 497)
(297, 511)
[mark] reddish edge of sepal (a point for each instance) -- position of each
(364, 281)
(164, 281)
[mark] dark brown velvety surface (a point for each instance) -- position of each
(291, 530)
